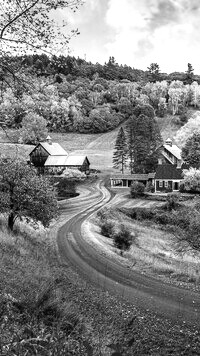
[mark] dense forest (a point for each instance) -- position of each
(66, 94)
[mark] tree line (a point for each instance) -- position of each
(62, 103)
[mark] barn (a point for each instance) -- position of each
(51, 155)
(80, 162)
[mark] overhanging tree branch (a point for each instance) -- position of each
(17, 17)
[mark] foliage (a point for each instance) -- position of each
(191, 151)
(34, 129)
(120, 151)
(154, 72)
(137, 189)
(65, 187)
(143, 139)
(172, 200)
(24, 194)
(186, 131)
(150, 187)
(29, 26)
(189, 74)
(122, 237)
(107, 227)
(191, 179)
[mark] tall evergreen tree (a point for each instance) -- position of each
(143, 140)
(189, 74)
(120, 151)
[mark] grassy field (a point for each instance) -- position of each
(97, 147)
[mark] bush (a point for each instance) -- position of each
(122, 238)
(172, 201)
(137, 189)
(150, 188)
(64, 186)
(107, 228)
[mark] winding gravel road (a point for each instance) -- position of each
(147, 293)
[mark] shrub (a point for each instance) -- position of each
(150, 188)
(162, 218)
(64, 186)
(122, 238)
(107, 228)
(172, 201)
(137, 189)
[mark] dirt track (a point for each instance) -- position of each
(144, 292)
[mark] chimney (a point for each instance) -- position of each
(159, 160)
(48, 139)
(168, 142)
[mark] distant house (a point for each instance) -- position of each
(51, 155)
(167, 177)
(169, 171)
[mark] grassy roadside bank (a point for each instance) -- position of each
(47, 309)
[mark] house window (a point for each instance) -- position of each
(166, 184)
(160, 183)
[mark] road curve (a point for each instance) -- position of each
(144, 292)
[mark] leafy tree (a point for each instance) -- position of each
(28, 26)
(186, 131)
(120, 151)
(24, 194)
(34, 129)
(195, 94)
(191, 179)
(191, 151)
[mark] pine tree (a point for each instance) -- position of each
(143, 140)
(120, 151)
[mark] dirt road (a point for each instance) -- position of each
(147, 293)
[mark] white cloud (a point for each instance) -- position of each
(159, 31)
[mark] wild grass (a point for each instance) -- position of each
(156, 251)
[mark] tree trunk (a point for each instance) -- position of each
(11, 221)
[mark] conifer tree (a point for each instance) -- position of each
(120, 151)
(143, 140)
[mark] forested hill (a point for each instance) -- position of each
(65, 94)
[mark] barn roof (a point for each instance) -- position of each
(173, 149)
(56, 161)
(65, 161)
(76, 160)
(168, 171)
(53, 148)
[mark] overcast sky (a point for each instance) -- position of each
(139, 32)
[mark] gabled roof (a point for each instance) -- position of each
(54, 149)
(55, 161)
(168, 171)
(76, 160)
(174, 150)
(65, 161)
